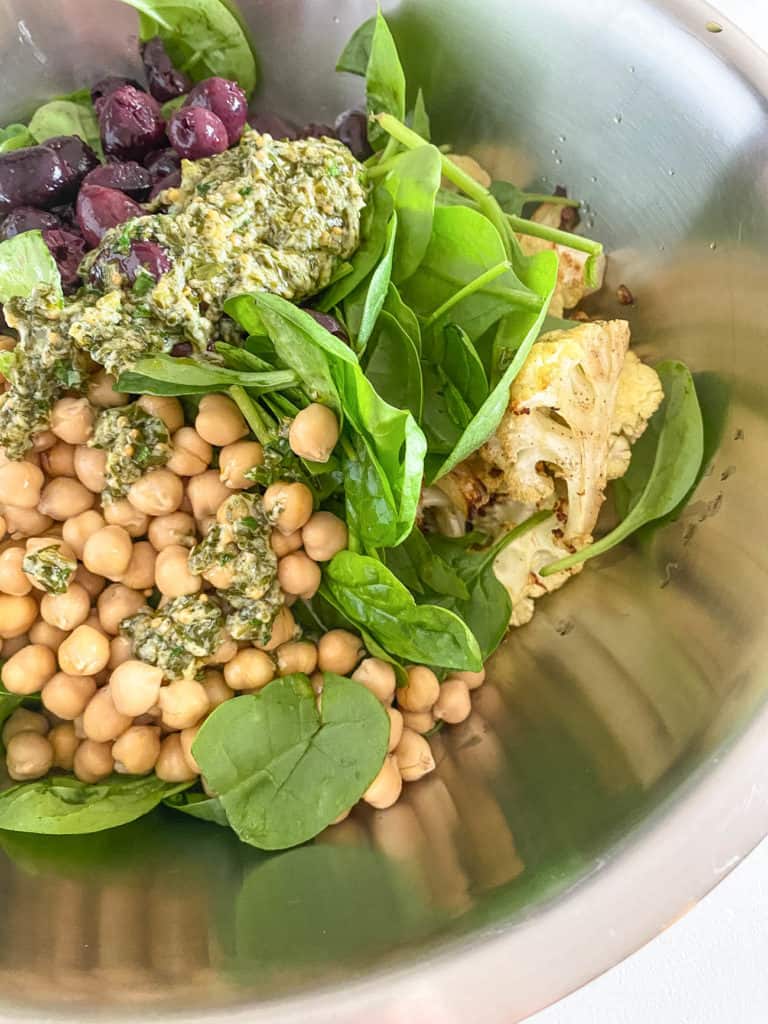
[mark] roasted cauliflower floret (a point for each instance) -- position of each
(637, 399)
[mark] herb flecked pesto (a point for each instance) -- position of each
(177, 637)
(50, 568)
(134, 441)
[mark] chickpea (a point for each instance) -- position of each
(90, 466)
(3, 527)
(171, 764)
(13, 580)
(474, 680)
(140, 574)
(298, 574)
(89, 581)
(296, 656)
(216, 689)
(157, 492)
(122, 513)
(116, 603)
(85, 652)
(377, 676)
(226, 651)
(168, 410)
(288, 505)
(420, 721)
(23, 720)
(414, 756)
(172, 575)
(339, 651)
(183, 703)
(120, 651)
(95, 623)
(470, 166)
(386, 787)
(29, 669)
(206, 492)
(220, 576)
(43, 441)
(10, 647)
(235, 460)
(250, 669)
(20, 484)
(78, 529)
(101, 391)
(324, 535)
(64, 741)
(396, 726)
(454, 703)
(219, 421)
(284, 544)
(137, 750)
(16, 615)
(28, 756)
(72, 420)
(63, 497)
(188, 737)
(44, 633)
(101, 719)
(50, 540)
(135, 687)
(283, 630)
(191, 454)
(204, 524)
(68, 610)
(59, 460)
(108, 552)
(176, 528)
(314, 433)
(93, 761)
(25, 522)
(67, 696)
(422, 690)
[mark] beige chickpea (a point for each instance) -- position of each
(386, 787)
(225, 652)
(68, 610)
(172, 575)
(235, 460)
(67, 696)
(324, 535)
(137, 750)
(167, 409)
(420, 721)
(72, 420)
(89, 581)
(43, 441)
(90, 466)
(94, 622)
(283, 630)
(176, 528)
(422, 690)
(21, 484)
(414, 756)
(298, 574)
(135, 687)
(188, 737)
(171, 764)
(25, 522)
(115, 603)
(78, 529)
(339, 651)
(43, 632)
(206, 493)
(204, 524)
(250, 669)
(190, 453)
(216, 689)
(396, 726)
(108, 552)
(50, 540)
(220, 576)
(120, 651)
(101, 719)
(10, 647)
(296, 656)
(65, 742)
(284, 544)
(29, 669)
(101, 391)
(16, 615)
(183, 703)
(23, 720)
(85, 652)
(219, 421)
(122, 513)
(157, 493)
(13, 579)
(59, 459)
(377, 676)
(454, 703)
(474, 680)
(28, 756)
(314, 432)
(3, 527)
(288, 505)
(140, 574)
(63, 497)
(93, 761)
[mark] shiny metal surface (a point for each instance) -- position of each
(617, 767)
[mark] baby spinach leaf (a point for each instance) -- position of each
(356, 54)
(406, 318)
(203, 38)
(413, 183)
(513, 199)
(384, 80)
(664, 464)
(26, 263)
(15, 136)
(286, 763)
(419, 121)
(62, 805)
(8, 704)
(423, 569)
(168, 375)
(198, 805)
(392, 365)
(373, 598)
(455, 387)
(364, 305)
(66, 117)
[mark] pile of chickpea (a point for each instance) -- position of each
(102, 709)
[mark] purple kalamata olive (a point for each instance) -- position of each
(351, 128)
(272, 124)
(172, 180)
(164, 81)
(182, 348)
(315, 130)
(111, 83)
(226, 100)
(330, 323)
(147, 256)
(99, 209)
(27, 218)
(195, 132)
(162, 162)
(33, 176)
(68, 249)
(131, 124)
(129, 177)
(66, 214)
(77, 155)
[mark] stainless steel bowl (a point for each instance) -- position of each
(617, 768)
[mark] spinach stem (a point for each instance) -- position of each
(527, 300)
(252, 413)
(556, 235)
(541, 197)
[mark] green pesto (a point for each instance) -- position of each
(177, 637)
(50, 568)
(134, 441)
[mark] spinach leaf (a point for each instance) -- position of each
(8, 704)
(363, 306)
(392, 365)
(664, 464)
(373, 598)
(413, 183)
(356, 54)
(15, 136)
(406, 318)
(168, 375)
(66, 117)
(25, 263)
(203, 38)
(62, 805)
(421, 568)
(513, 199)
(455, 387)
(286, 763)
(198, 805)
(384, 80)
(419, 121)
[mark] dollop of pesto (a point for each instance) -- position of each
(134, 441)
(177, 637)
(50, 568)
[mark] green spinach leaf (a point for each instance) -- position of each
(455, 387)
(392, 365)
(66, 117)
(419, 121)
(422, 569)
(384, 80)
(363, 306)
(406, 318)
(15, 136)
(513, 199)
(26, 263)
(168, 375)
(198, 805)
(356, 54)
(413, 183)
